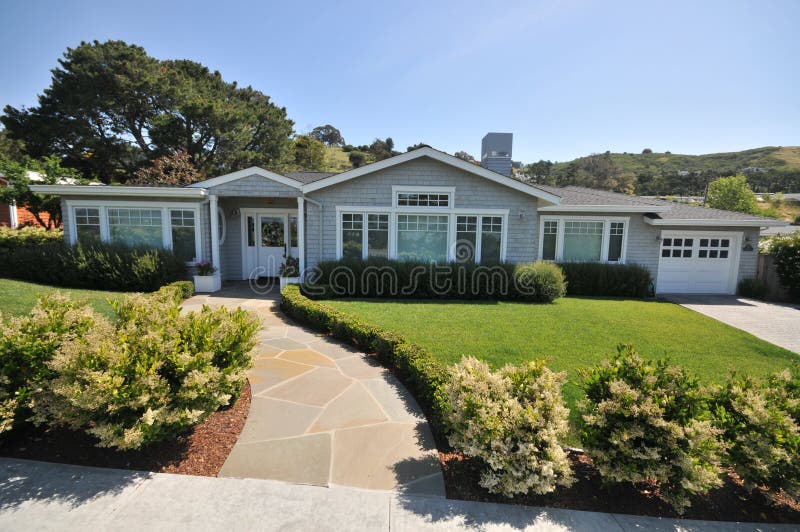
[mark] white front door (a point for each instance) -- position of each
(268, 238)
(695, 262)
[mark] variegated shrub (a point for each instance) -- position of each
(649, 421)
(511, 420)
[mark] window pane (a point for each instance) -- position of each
(378, 235)
(491, 232)
(549, 240)
(183, 234)
(293, 231)
(616, 232)
(87, 225)
(352, 232)
(251, 231)
(422, 237)
(582, 240)
(412, 199)
(466, 238)
(136, 227)
(272, 232)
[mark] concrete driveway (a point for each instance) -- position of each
(776, 323)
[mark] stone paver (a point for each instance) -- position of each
(324, 413)
(46, 496)
(773, 322)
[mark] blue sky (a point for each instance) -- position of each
(568, 77)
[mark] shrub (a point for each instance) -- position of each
(606, 280)
(796, 220)
(380, 277)
(150, 374)
(100, 266)
(786, 251)
(540, 281)
(28, 344)
(511, 420)
(28, 236)
(415, 367)
(755, 288)
(761, 423)
(184, 289)
(645, 421)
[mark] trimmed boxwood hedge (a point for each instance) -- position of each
(607, 280)
(419, 371)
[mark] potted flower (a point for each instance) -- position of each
(289, 271)
(207, 278)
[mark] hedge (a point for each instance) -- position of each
(607, 280)
(27, 236)
(99, 266)
(398, 279)
(419, 371)
(786, 251)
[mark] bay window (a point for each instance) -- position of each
(175, 226)
(583, 239)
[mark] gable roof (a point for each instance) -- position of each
(438, 156)
(247, 172)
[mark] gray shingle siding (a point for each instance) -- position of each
(255, 186)
(376, 190)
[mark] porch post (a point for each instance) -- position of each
(301, 233)
(212, 207)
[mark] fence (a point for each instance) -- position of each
(766, 273)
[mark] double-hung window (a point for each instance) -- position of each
(364, 235)
(478, 239)
(583, 239)
(87, 225)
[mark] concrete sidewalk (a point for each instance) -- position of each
(45, 496)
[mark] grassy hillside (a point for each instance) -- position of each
(778, 158)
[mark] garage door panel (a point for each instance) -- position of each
(700, 263)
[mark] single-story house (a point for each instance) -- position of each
(423, 204)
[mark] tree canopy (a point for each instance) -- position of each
(111, 109)
(308, 153)
(732, 194)
(328, 135)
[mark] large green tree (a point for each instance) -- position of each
(111, 109)
(308, 153)
(732, 194)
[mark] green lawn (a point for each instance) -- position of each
(18, 297)
(573, 333)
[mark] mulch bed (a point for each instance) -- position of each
(200, 451)
(731, 502)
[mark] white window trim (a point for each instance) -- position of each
(450, 191)
(166, 219)
(223, 226)
(255, 212)
(607, 221)
(451, 213)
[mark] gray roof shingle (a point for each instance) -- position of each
(308, 177)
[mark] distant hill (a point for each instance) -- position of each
(770, 157)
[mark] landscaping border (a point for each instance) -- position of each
(417, 369)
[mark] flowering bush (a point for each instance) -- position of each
(761, 423)
(28, 344)
(511, 420)
(649, 421)
(204, 267)
(147, 375)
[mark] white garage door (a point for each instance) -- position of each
(694, 262)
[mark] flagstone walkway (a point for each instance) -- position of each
(323, 413)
